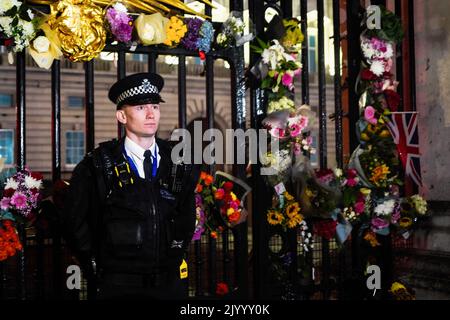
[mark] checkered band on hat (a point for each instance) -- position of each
(145, 87)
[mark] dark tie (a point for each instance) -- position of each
(148, 164)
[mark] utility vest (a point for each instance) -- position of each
(136, 223)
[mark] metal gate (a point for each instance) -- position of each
(39, 271)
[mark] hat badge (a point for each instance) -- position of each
(146, 85)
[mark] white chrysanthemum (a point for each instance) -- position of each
(27, 27)
(338, 172)
(389, 51)
(377, 68)
(5, 25)
(32, 183)
(386, 208)
(11, 184)
(367, 49)
(6, 5)
(120, 7)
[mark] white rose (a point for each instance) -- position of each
(41, 44)
(149, 32)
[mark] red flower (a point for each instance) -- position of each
(368, 75)
(392, 99)
(234, 217)
(325, 228)
(8, 192)
(202, 55)
(228, 186)
(37, 175)
(222, 289)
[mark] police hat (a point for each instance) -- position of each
(136, 89)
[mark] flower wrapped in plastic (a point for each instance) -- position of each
(219, 203)
(120, 22)
(151, 29)
(46, 47)
(175, 31)
(17, 24)
(233, 32)
(21, 194)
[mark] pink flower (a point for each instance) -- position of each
(352, 182)
(287, 79)
(277, 132)
(359, 207)
(378, 223)
(19, 200)
(388, 65)
(4, 203)
(396, 215)
(369, 115)
(295, 130)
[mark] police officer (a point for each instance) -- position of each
(130, 210)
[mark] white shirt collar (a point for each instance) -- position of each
(136, 150)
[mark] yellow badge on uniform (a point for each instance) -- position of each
(183, 270)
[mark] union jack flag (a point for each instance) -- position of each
(404, 131)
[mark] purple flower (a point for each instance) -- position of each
(190, 40)
(19, 200)
(378, 224)
(4, 203)
(120, 23)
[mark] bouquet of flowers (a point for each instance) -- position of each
(219, 203)
(9, 238)
(120, 22)
(17, 24)
(199, 36)
(232, 34)
(22, 194)
(175, 31)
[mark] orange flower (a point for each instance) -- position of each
(199, 188)
(213, 234)
(219, 194)
(208, 180)
(380, 173)
(372, 239)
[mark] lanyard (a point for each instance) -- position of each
(154, 162)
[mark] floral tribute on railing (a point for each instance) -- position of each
(219, 202)
(21, 197)
(80, 29)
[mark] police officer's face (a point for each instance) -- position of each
(141, 120)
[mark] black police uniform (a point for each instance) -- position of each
(130, 232)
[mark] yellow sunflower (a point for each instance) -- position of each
(292, 209)
(405, 222)
(288, 196)
(274, 217)
(294, 221)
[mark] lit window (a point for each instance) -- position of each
(6, 100)
(7, 145)
(74, 146)
(75, 102)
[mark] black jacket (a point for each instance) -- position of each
(134, 227)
